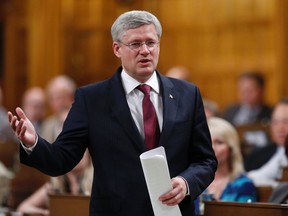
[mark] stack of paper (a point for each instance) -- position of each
(158, 180)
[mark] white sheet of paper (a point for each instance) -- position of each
(156, 172)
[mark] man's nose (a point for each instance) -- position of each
(144, 48)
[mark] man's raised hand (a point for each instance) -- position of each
(22, 127)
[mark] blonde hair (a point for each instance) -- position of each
(227, 131)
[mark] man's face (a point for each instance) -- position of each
(249, 92)
(279, 124)
(138, 63)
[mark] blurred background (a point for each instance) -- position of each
(215, 39)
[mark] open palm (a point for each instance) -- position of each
(22, 127)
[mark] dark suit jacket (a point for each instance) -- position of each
(259, 156)
(100, 119)
(264, 114)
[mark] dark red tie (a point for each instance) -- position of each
(151, 127)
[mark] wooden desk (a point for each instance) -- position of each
(264, 193)
(216, 208)
(284, 177)
(62, 205)
(25, 182)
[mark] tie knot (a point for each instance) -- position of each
(144, 88)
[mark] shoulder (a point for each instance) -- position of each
(94, 86)
(99, 90)
(177, 82)
(103, 86)
(243, 184)
(242, 179)
(181, 87)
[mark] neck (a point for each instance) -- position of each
(222, 171)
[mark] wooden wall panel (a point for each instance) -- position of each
(215, 39)
(15, 57)
(44, 42)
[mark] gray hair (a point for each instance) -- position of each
(132, 20)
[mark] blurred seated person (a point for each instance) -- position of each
(279, 194)
(6, 133)
(266, 163)
(60, 96)
(231, 182)
(34, 105)
(76, 182)
(179, 72)
(5, 178)
(251, 107)
(182, 73)
(210, 108)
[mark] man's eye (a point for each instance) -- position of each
(150, 43)
(135, 45)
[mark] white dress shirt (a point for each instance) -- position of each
(134, 99)
(271, 171)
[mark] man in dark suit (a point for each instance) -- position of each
(251, 107)
(265, 164)
(107, 118)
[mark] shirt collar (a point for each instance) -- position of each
(129, 83)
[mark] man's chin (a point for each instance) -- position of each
(146, 70)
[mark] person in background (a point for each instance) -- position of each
(231, 182)
(7, 137)
(108, 119)
(179, 72)
(34, 105)
(210, 107)
(6, 134)
(5, 180)
(77, 182)
(182, 73)
(251, 107)
(60, 95)
(265, 164)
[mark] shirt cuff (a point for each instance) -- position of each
(29, 150)
(187, 186)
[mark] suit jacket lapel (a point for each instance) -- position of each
(120, 109)
(121, 112)
(170, 106)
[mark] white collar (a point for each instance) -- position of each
(129, 83)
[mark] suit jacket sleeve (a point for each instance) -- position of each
(64, 154)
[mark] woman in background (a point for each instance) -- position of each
(231, 182)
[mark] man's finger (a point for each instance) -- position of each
(21, 113)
